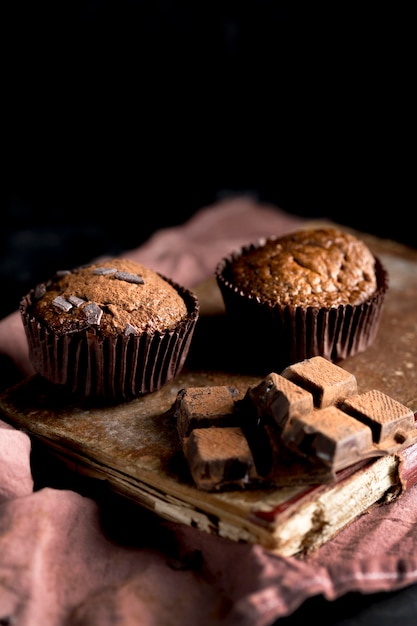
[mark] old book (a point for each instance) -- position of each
(135, 448)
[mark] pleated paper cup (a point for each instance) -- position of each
(112, 368)
(267, 336)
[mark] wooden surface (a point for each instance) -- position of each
(135, 448)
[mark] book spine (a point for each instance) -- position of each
(406, 477)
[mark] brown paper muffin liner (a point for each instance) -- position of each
(110, 369)
(268, 337)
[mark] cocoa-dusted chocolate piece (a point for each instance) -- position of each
(279, 398)
(201, 407)
(386, 417)
(299, 430)
(277, 464)
(329, 383)
(329, 435)
(219, 458)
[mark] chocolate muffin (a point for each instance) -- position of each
(112, 330)
(313, 292)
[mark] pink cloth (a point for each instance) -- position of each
(61, 564)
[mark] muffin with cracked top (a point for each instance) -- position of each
(112, 330)
(312, 292)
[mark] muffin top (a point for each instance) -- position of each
(322, 267)
(116, 296)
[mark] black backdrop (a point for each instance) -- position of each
(123, 117)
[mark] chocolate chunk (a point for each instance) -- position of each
(93, 313)
(219, 457)
(280, 398)
(103, 271)
(201, 407)
(130, 278)
(386, 417)
(276, 463)
(39, 291)
(329, 383)
(62, 303)
(76, 301)
(130, 330)
(300, 427)
(330, 435)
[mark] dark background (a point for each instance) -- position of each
(123, 117)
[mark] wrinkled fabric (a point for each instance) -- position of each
(189, 253)
(68, 559)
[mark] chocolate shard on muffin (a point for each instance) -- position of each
(112, 330)
(313, 292)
